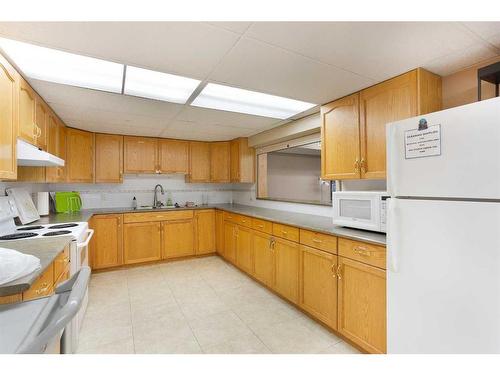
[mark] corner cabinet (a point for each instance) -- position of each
(79, 155)
(353, 128)
(108, 158)
(9, 120)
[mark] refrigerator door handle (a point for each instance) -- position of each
(393, 243)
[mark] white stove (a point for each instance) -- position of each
(80, 237)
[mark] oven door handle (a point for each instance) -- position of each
(90, 233)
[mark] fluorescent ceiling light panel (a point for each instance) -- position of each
(157, 85)
(52, 65)
(250, 102)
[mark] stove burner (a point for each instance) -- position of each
(56, 233)
(16, 236)
(61, 226)
(35, 227)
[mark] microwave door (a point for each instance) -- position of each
(358, 212)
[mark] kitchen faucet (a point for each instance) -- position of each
(156, 202)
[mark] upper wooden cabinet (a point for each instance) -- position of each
(56, 134)
(353, 128)
(41, 118)
(79, 155)
(199, 162)
(106, 244)
(219, 161)
(28, 130)
(173, 156)
(9, 120)
(140, 155)
(205, 231)
(108, 158)
(242, 161)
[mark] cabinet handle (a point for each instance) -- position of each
(356, 165)
(316, 240)
(284, 232)
(260, 226)
(360, 250)
(333, 270)
(363, 165)
(339, 272)
(43, 289)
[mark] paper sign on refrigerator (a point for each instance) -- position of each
(420, 143)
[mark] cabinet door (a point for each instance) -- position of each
(79, 155)
(362, 304)
(286, 255)
(53, 145)
(108, 158)
(219, 232)
(107, 249)
(41, 117)
(9, 119)
(318, 284)
(173, 156)
(235, 160)
(141, 242)
(205, 231)
(199, 162)
(242, 161)
(62, 172)
(392, 100)
(244, 253)
(178, 238)
(340, 153)
(263, 258)
(27, 130)
(219, 162)
(140, 155)
(230, 241)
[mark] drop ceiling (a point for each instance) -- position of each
(309, 61)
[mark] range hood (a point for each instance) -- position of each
(31, 156)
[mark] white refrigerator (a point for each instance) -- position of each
(443, 231)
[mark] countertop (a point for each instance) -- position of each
(46, 249)
(315, 223)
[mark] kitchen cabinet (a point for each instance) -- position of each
(244, 252)
(362, 304)
(56, 146)
(219, 232)
(141, 242)
(9, 120)
(43, 286)
(107, 243)
(230, 241)
(353, 128)
(108, 158)
(177, 238)
(286, 258)
(41, 116)
(262, 247)
(173, 156)
(205, 231)
(242, 161)
(79, 155)
(140, 155)
(219, 162)
(28, 130)
(199, 162)
(318, 284)
(62, 172)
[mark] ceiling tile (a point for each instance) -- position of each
(237, 27)
(254, 65)
(378, 50)
(484, 29)
(191, 49)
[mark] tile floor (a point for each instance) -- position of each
(202, 305)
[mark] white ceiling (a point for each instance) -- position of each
(310, 61)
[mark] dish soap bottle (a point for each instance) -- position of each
(169, 199)
(134, 203)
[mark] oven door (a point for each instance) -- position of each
(357, 210)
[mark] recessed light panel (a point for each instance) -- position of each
(250, 102)
(157, 85)
(52, 65)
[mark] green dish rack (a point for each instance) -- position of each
(68, 201)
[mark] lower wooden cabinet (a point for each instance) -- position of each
(362, 304)
(219, 232)
(205, 231)
(107, 244)
(230, 241)
(262, 246)
(177, 238)
(141, 242)
(43, 286)
(244, 253)
(286, 257)
(318, 284)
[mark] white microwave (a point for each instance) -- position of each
(360, 209)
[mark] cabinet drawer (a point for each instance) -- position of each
(364, 252)
(320, 241)
(61, 263)
(244, 220)
(157, 216)
(262, 225)
(42, 286)
(286, 231)
(229, 216)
